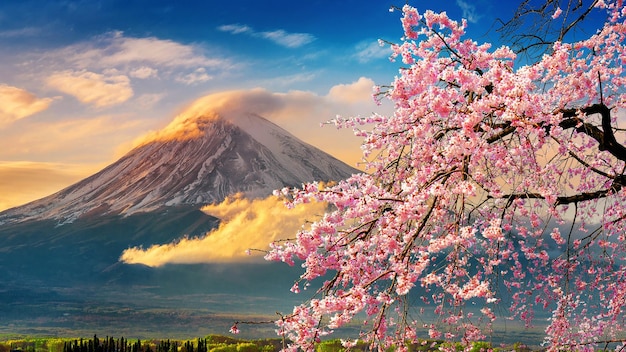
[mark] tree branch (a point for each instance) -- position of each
(605, 137)
(618, 183)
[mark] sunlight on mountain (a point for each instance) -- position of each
(206, 110)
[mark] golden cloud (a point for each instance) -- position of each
(90, 140)
(356, 92)
(226, 104)
(93, 88)
(35, 180)
(245, 224)
(17, 103)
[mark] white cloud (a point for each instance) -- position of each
(371, 50)
(235, 28)
(137, 57)
(92, 88)
(290, 40)
(198, 76)
(279, 36)
(17, 103)
(21, 32)
(144, 72)
(158, 51)
(288, 80)
(469, 11)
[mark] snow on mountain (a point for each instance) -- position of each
(200, 158)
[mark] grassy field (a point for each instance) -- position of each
(210, 343)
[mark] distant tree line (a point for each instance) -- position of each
(211, 343)
(109, 344)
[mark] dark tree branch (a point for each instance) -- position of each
(605, 137)
(507, 129)
(532, 29)
(585, 164)
(566, 29)
(606, 142)
(617, 185)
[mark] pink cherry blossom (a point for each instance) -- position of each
(491, 176)
(557, 13)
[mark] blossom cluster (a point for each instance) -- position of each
(490, 177)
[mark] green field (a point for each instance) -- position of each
(210, 343)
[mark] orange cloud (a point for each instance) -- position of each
(22, 182)
(226, 104)
(90, 140)
(93, 88)
(356, 92)
(245, 224)
(17, 103)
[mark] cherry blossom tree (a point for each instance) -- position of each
(493, 185)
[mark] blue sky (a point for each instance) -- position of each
(80, 81)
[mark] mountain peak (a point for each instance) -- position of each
(234, 107)
(210, 151)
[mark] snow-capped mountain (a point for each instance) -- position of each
(195, 160)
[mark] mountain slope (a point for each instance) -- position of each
(193, 161)
(68, 278)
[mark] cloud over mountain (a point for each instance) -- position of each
(244, 224)
(104, 137)
(210, 151)
(299, 112)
